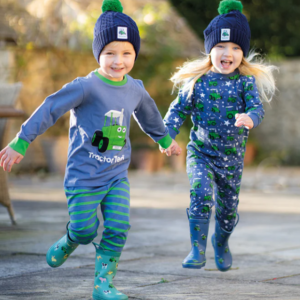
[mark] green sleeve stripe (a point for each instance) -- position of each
(112, 243)
(116, 212)
(120, 189)
(117, 204)
(19, 145)
(81, 212)
(117, 221)
(89, 226)
(83, 235)
(118, 196)
(84, 203)
(165, 142)
(118, 237)
(83, 220)
(116, 229)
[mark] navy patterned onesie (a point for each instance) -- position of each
(217, 147)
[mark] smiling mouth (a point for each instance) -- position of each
(226, 63)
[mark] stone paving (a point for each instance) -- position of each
(265, 244)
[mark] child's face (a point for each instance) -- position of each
(226, 57)
(116, 60)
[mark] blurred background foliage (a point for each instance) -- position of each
(274, 23)
(54, 39)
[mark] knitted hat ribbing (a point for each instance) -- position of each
(230, 26)
(113, 25)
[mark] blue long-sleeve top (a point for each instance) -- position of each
(215, 101)
(100, 111)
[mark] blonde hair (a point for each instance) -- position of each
(253, 65)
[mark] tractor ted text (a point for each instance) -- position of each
(110, 160)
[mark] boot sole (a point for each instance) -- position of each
(193, 266)
(96, 297)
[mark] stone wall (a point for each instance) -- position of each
(279, 134)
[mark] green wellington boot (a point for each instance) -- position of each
(105, 270)
(60, 251)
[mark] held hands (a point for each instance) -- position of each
(243, 120)
(174, 149)
(9, 157)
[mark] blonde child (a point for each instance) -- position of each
(222, 92)
(101, 106)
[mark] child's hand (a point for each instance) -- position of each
(243, 120)
(9, 157)
(173, 149)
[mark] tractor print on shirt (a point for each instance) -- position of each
(213, 83)
(211, 122)
(230, 150)
(235, 77)
(215, 96)
(122, 32)
(230, 112)
(200, 106)
(249, 97)
(111, 137)
(231, 99)
(199, 144)
(247, 87)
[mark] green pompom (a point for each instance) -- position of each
(112, 5)
(229, 5)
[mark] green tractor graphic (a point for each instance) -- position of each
(211, 122)
(215, 96)
(230, 138)
(199, 144)
(249, 97)
(213, 135)
(231, 99)
(199, 80)
(230, 150)
(198, 118)
(196, 184)
(207, 198)
(122, 32)
(213, 83)
(230, 112)
(225, 33)
(111, 137)
(200, 106)
(248, 88)
(235, 77)
(215, 109)
(188, 108)
(182, 116)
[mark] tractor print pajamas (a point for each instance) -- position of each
(217, 147)
(99, 150)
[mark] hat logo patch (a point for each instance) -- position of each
(225, 34)
(122, 33)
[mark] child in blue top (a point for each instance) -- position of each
(222, 92)
(101, 105)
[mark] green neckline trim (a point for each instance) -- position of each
(114, 83)
(19, 145)
(165, 142)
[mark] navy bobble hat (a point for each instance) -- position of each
(113, 25)
(230, 26)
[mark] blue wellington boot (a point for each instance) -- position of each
(60, 251)
(105, 270)
(219, 239)
(198, 230)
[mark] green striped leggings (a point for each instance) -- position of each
(114, 200)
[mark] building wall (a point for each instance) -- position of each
(279, 134)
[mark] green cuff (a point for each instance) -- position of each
(19, 145)
(165, 142)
